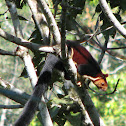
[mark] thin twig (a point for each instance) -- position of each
(103, 51)
(115, 89)
(108, 29)
(10, 106)
(116, 48)
(117, 69)
(4, 12)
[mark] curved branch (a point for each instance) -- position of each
(18, 41)
(39, 20)
(40, 88)
(25, 43)
(112, 18)
(27, 60)
(51, 21)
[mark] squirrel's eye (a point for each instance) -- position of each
(102, 84)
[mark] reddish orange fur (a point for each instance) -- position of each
(80, 55)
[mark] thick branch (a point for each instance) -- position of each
(28, 66)
(63, 31)
(51, 21)
(89, 106)
(86, 99)
(112, 18)
(25, 56)
(25, 43)
(15, 95)
(39, 90)
(10, 53)
(13, 11)
(40, 20)
(19, 41)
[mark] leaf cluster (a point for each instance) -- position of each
(63, 108)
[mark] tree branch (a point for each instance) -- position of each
(124, 47)
(103, 51)
(112, 18)
(12, 9)
(10, 106)
(16, 95)
(63, 30)
(51, 21)
(13, 93)
(85, 98)
(25, 43)
(9, 90)
(10, 53)
(19, 41)
(89, 106)
(40, 88)
(40, 20)
(26, 58)
(28, 66)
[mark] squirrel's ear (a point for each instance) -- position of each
(106, 75)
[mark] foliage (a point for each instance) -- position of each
(112, 108)
(35, 122)
(63, 107)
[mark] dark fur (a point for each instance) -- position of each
(40, 88)
(90, 68)
(87, 69)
